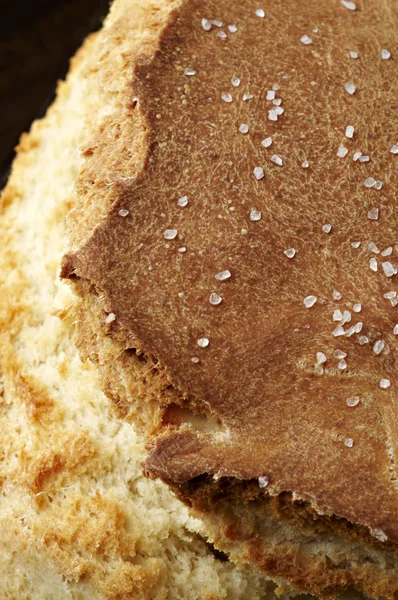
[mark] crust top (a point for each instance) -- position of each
(278, 409)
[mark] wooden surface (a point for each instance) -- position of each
(37, 39)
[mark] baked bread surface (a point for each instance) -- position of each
(258, 401)
(77, 518)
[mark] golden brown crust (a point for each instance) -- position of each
(77, 518)
(258, 380)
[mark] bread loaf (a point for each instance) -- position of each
(233, 248)
(78, 520)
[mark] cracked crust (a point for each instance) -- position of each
(271, 412)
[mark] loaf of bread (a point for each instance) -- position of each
(78, 520)
(233, 253)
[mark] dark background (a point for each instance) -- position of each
(37, 38)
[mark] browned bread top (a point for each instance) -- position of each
(193, 124)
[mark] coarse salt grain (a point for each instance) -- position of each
(271, 95)
(123, 212)
(395, 330)
(384, 383)
(385, 54)
(305, 164)
(182, 202)
(290, 252)
(350, 88)
(309, 301)
(353, 54)
(337, 315)
(170, 234)
(337, 295)
(342, 151)
(203, 342)
(363, 340)
(247, 97)
(369, 182)
(349, 442)
(378, 346)
(223, 275)
(373, 214)
(320, 358)
(110, 318)
(338, 331)
(260, 13)
(342, 365)
(387, 251)
(206, 25)
(182, 250)
(364, 158)
(348, 4)
(243, 128)
(388, 268)
(372, 246)
(195, 359)
(258, 173)
(263, 481)
(394, 149)
(380, 535)
(327, 228)
(357, 155)
(272, 115)
(222, 35)
(255, 215)
(267, 142)
(373, 264)
(226, 97)
(357, 307)
(355, 244)
(232, 28)
(277, 160)
(349, 131)
(235, 81)
(340, 353)
(215, 299)
(306, 40)
(353, 401)
(189, 72)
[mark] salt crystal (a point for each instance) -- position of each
(258, 173)
(290, 252)
(348, 4)
(350, 88)
(385, 383)
(305, 40)
(353, 401)
(342, 151)
(255, 215)
(309, 301)
(215, 299)
(378, 346)
(267, 142)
